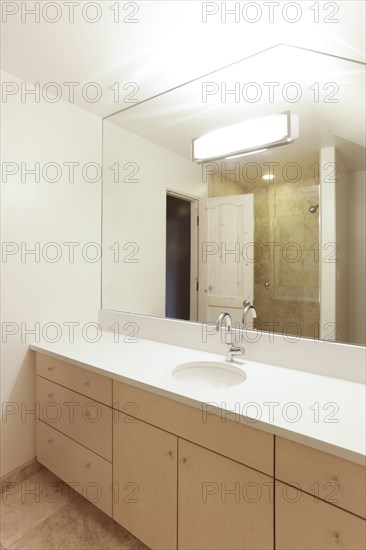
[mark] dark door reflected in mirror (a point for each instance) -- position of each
(178, 258)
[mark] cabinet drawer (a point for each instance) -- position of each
(88, 473)
(303, 522)
(205, 427)
(88, 383)
(330, 478)
(87, 422)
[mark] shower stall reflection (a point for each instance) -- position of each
(286, 253)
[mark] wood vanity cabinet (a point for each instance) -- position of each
(83, 381)
(145, 481)
(74, 428)
(221, 503)
(183, 478)
(85, 471)
(207, 426)
(320, 501)
(77, 416)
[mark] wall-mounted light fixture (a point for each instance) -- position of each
(249, 136)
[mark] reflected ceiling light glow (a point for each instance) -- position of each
(268, 177)
(246, 137)
(246, 154)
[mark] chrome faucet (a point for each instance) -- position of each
(247, 306)
(230, 350)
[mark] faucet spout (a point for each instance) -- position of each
(247, 306)
(222, 317)
(230, 350)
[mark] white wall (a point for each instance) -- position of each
(342, 238)
(42, 291)
(334, 243)
(357, 254)
(135, 212)
(343, 221)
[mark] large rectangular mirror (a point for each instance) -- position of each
(282, 227)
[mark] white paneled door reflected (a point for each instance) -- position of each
(227, 253)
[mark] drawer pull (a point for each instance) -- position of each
(334, 481)
(335, 537)
(50, 441)
(50, 368)
(88, 465)
(183, 460)
(50, 395)
(169, 453)
(87, 383)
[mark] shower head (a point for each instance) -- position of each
(313, 208)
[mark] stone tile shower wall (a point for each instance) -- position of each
(290, 263)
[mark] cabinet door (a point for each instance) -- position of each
(303, 522)
(222, 504)
(145, 481)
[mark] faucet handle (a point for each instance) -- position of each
(237, 350)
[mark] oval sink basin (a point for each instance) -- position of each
(209, 374)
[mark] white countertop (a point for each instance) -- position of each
(326, 413)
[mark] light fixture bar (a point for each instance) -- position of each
(246, 154)
(246, 137)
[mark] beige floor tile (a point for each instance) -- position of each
(29, 503)
(78, 525)
(19, 475)
(140, 546)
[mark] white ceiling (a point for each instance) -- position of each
(335, 118)
(169, 44)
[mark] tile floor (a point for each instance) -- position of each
(43, 513)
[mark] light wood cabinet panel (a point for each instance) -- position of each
(91, 384)
(332, 479)
(87, 422)
(206, 427)
(88, 473)
(222, 505)
(306, 523)
(190, 479)
(145, 482)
